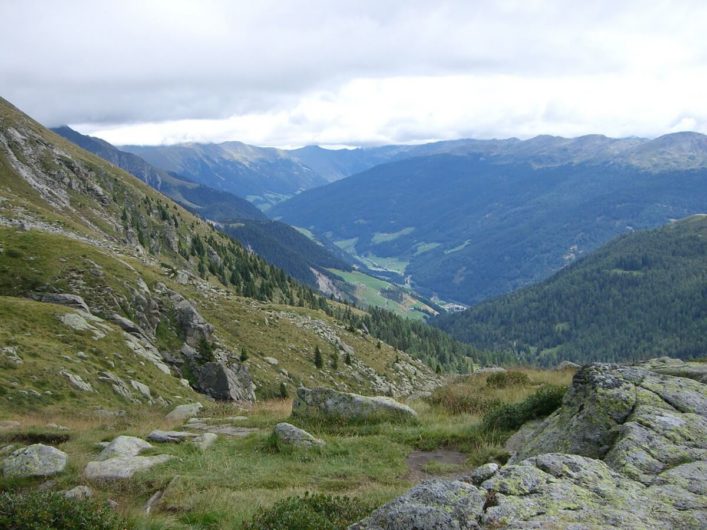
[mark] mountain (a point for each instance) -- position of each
(499, 215)
(111, 295)
(202, 200)
(278, 243)
(262, 175)
(642, 295)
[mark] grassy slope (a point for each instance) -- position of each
(225, 485)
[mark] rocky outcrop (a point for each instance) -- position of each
(37, 460)
(194, 327)
(289, 435)
(627, 449)
(221, 382)
(69, 300)
(324, 403)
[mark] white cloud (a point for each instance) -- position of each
(356, 72)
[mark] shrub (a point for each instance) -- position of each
(542, 403)
(313, 512)
(52, 511)
(462, 399)
(506, 379)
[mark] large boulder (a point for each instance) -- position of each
(124, 446)
(221, 382)
(638, 438)
(37, 460)
(122, 467)
(182, 412)
(194, 327)
(325, 403)
(289, 435)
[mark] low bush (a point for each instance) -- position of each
(506, 379)
(462, 398)
(509, 417)
(313, 512)
(53, 511)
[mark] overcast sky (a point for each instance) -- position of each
(334, 72)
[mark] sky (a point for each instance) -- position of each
(356, 73)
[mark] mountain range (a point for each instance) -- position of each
(494, 216)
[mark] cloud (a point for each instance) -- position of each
(355, 72)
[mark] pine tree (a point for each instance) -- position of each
(244, 354)
(318, 361)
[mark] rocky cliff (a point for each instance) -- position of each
(627, 449)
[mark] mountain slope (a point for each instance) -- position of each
(202, 200)
(642, 295)
(262, 175)
(159, 288)
(469, 227)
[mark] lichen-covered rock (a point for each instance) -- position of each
(288, 434)
(37, 460)
(219, 381)
(124, 446)
(182, 412)
(122, 467)
(341, 406)
(608, 401)
(431, 505)
(482, 473)
(639, 438)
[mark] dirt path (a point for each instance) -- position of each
(439, 463)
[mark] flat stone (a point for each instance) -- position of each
(122, 467)
(170, 436)
(142, 388)
(69, 300)
(341, 406)
(37, 460)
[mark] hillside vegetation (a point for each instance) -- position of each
(468, 226)
(640, 296)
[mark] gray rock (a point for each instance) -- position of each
(205, 441)
(76, 381)
(153, 501)
(643, 433)
(124, 446)
(331, 404)
(11, 355)
(182, 412)
(142, 388)
(483, 473)
(271, 361)
(190, 321)
(119, 386)
(37, 460)
(431, 505)
(125, 324)
(220, 382)
(122, 467)
(79, 493)
(170, 436)
(288, 434)
(79, 321)
(69, 300)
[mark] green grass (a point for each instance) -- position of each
(368, 291)
(226, 485)
(385, 237)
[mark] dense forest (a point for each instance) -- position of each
(642, 295)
